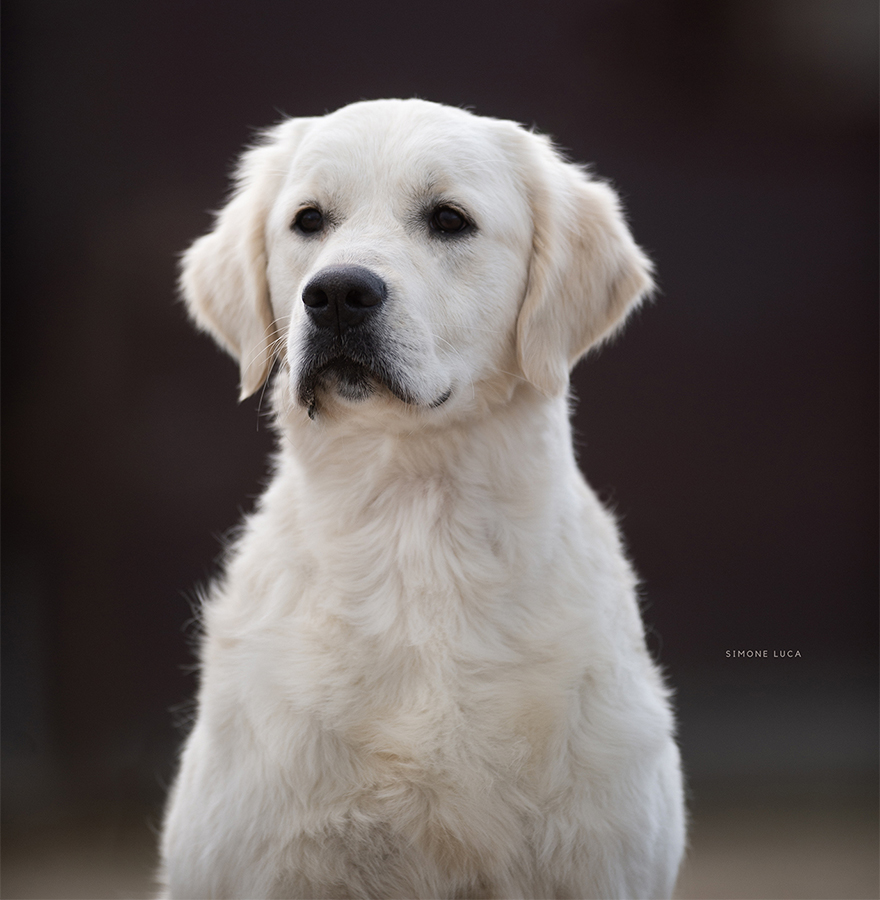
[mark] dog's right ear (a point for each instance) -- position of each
(223, 274)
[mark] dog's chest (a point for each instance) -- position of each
(433, 720)
(428, 704)
(449, 756)
(402, 687)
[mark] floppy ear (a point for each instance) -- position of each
(223, 274)
(586, 272)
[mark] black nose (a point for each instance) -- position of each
(340, 297)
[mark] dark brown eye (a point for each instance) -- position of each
(309, 220)
(447, 220)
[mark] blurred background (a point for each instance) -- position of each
(733, 428)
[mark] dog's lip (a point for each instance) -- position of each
(407, 398)
(343, 362)
(441, 399)
(349, 364)
(339, 364)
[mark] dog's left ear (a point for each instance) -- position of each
(223, 274)
(586, 273)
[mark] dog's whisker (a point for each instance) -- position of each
(518, 377)
(471, 327)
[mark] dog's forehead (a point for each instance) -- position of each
(410, 145)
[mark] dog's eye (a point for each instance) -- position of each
(309, 220)
(447, 220)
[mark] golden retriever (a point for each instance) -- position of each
(424, 671)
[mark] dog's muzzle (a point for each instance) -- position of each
(345, 347)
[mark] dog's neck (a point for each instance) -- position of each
(370, 501)
(512, 453)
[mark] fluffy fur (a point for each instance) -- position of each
(424, 671)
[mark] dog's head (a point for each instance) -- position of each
(402, 252)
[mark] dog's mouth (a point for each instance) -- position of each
(354, 379)
(348, 377)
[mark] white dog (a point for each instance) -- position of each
(424, 673)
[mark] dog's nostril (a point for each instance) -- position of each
(356, 298)
(315, 298)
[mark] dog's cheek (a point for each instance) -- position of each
(491, 295)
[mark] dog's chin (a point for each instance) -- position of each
(344, 378)
(352, 382)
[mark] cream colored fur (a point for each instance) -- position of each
(424, 671)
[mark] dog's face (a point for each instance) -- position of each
(411, 255)
(397, 248)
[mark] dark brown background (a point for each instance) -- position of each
(733, 427)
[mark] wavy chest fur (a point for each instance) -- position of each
(410, 666)
(394, 635)
(395, 581)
